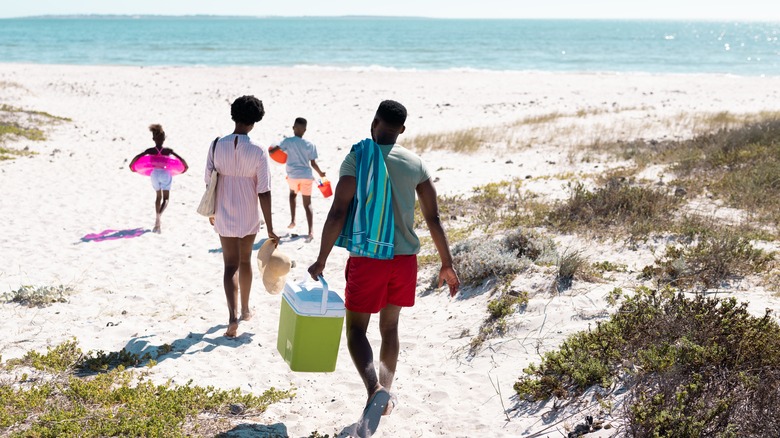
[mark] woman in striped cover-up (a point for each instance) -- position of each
(244, 181)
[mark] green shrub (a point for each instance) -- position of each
(40, 296)
(100, 361)
(693, 366)
(478, 259)
(58, 359)
(708, 261)
(607, 266)
(531, 245)
(507, 303)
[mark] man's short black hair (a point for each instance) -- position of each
(300, 121)
(247, 110)
(392, 113)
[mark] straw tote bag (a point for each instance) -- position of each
(208, 202)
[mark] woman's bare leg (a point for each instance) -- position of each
(245, 274)
(231, 258)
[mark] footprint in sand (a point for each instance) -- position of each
(436, 399)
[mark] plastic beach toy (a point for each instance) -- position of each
(324, 186)
(278, 155)
(147, 163)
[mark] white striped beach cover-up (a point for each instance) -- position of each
(243, 171)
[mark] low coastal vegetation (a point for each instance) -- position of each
(690, 366)
(738, 164)
(59, 393)
(507, 302)
(17, 124)
(683, 365)
(708, 260)
(38, 296)
(470, 140)
(616, 208)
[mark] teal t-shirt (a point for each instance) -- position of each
(406, 170)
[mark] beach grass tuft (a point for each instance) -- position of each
(618, 206)
(17, 123)
(570, 264)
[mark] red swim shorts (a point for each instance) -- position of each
(373, 284)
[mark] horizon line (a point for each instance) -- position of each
(359, 16)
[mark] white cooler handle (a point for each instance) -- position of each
(324, 304)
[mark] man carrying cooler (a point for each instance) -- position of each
(372, 215)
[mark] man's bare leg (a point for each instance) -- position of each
(388, 353)
(360, 350)
(292, 209)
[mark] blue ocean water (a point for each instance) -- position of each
(747, 48)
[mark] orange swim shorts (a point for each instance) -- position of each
(302, 186)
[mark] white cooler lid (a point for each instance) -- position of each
(305, 298)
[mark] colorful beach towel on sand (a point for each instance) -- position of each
(113, 235)
(368, 230)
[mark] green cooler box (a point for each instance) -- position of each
(310, 326)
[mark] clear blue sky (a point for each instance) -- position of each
(764, 10)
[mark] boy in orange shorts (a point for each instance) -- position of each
(301, 156)
(373, 217)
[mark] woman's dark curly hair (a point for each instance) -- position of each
(247, 110)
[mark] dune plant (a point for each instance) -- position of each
(492, 207)
(499, 256)
(531, 245)
(473, 139)
(735, 157)
(56, 402)
(465, 140)
(506, 303)
(478, 259)
(691, 366)
(38, 296)
(708, 260)
(570, 264)
(18, 123)
(607, 266)
(618, 207)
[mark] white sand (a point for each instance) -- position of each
(140, 293)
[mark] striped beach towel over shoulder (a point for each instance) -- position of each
(369, 228)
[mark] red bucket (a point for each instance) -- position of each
(324, 186)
